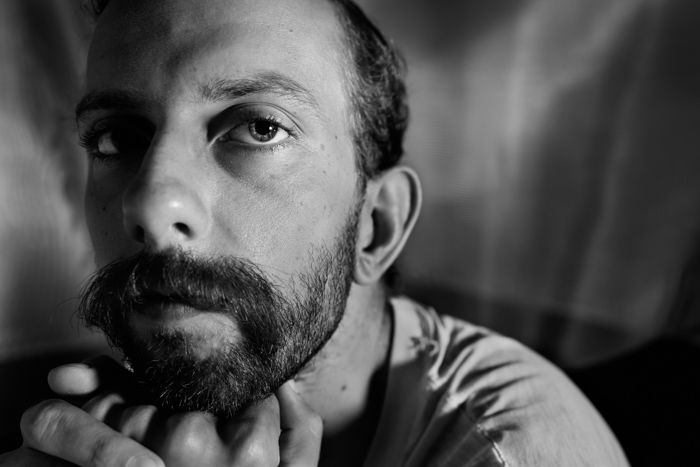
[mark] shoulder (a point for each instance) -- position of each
(514, 400)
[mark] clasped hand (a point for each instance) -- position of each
(109, 431)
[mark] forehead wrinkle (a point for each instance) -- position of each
(264, 83)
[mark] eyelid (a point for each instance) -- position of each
(116, 121)
(88, 138)
(245, 112)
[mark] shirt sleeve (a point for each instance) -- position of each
(530, 413)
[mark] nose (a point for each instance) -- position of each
(162, 209)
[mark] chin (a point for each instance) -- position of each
(183, 371)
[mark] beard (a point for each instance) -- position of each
(278, 333)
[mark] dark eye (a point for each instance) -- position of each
(263, 130)
(256, 132)
(117, 141)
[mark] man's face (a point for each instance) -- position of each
(220, 130)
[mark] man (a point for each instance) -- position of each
(246, 204)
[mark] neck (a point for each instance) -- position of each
(345, 382)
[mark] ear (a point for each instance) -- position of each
(391, 207)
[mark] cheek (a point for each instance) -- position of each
(281, 222)
(271, 231)
(104, 222)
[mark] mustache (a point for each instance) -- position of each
(207, 284)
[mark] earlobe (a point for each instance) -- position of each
(392, 204)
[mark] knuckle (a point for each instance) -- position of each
(190, 434)
(111, 449)
(191, 422)
(102, 452)
(42, 421)
(314, 424)
(257, 452)
(190, 446)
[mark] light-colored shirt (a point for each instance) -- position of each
(461, 395)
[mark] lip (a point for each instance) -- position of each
(166, 300)
(166, 309)
(167, 315)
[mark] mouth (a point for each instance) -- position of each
(153, 300)
(175, 313)
(162, 306)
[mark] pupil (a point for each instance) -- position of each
(129, 144)
(265, 130)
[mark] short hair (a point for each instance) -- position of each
(377, 93)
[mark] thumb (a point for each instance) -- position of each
(302, 429)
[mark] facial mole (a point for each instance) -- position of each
(103, 208)
(343, 387)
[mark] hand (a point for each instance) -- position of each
(281, 430)
(57, 433)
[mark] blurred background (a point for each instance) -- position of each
(558, 143)
(559, 148)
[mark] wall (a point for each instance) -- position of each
(556, 141)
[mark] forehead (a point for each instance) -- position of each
(172, 47)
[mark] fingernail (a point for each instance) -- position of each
(141, 461)
(68, 367)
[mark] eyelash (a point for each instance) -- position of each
(251, 116)
(89, 138)
(88, 141)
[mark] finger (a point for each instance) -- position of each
(59, 429)
(302, 429)
(73, 379)
(253, 435)
(132, 421)
(190, 439)
(136, 422)
(88, 376)
(101, 405)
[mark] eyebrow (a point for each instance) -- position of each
(264, 83)
(214, 91)
(109, 99)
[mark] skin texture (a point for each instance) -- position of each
(204, 186)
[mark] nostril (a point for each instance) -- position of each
(184, 229)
